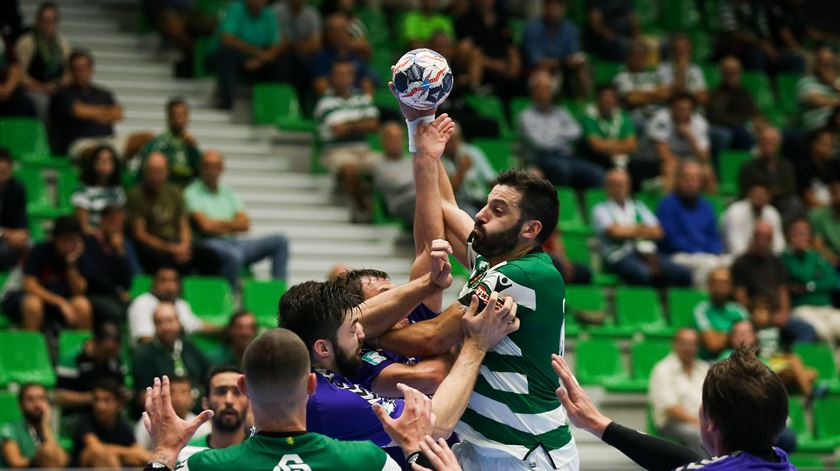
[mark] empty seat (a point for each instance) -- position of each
(70, 343)
(730, 162)
(277, 103)
(497, 151)
(681, 304)
(598, 362)
(210, 297)
(261, 298)
(25, 358)
(819, 357)
(9, 408)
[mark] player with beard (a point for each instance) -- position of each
(230, 408)
(327, 319)
(513, 420)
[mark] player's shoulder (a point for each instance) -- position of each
(218, 459)
(358, 455)
(533, 266)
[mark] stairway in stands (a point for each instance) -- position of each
(268, 170)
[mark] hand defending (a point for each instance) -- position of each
(441, 272)
(439, 454)
(487, 328)
(581, 411)
(416, 421)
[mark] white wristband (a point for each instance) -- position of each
(412, 128)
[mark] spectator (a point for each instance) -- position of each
(78, 371)
(13, 98)
(627, 232)
(339, 48)
(811, 279)
(249, 45)
(103, 438)
(230, 408)
(819, 92)
(681, 75)
(814, 174)
(469, 171)
(611, 27)
(181, 23)
(608, 132)
(166, 288)
(158, 219)
(43, 54)
(484, 30)
(640, 88)
(552, 43)
(760, 273)
(740, 218)
(14, 224)
(715, 318)
(101, 186)
(181, 394)
(219, 215)
(825, 222)
(573, 272)
(675, 392)
(30, 442)
(170, 353)
(112, 267)
(768, 167)
(680, 133)
(549, 133)
(240, 331)
(690, 226)
(300, 40)
(732, 109)
(750, 32)
(345, 117)
(177, 144)
(420, 25)
(54, 283)
(393, 175)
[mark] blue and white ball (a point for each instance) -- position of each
(422, 79)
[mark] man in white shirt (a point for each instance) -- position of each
(180, 391)
(680, 75)
(675, 391)
(165, 287)
(627, 232)
(739, 220)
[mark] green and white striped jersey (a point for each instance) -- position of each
(513, 407)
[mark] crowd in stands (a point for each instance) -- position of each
(703, 155)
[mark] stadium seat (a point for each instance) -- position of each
(598, 363)
(209, 345)
(261, 298)
(786, 91)
(730, 162)
(827, 419)
(498, 152)
(577, 249)
(26, 139)
(711, 73)
(210, 297)
(70, 342)
(678, 15)
(570, 219)
(605, 72)
(277, 103)
(518, 104)
(681, 304)
(68, 183)
(759, 86)
(819, 356)
(383, 98)
(592, 197)
(25, 359)
(637, 310)
(582, 298)
(38, 204)
(719, 203)
(643, 357)
(491, 107)
(377, 31)
(381, 216)
(140, 284)
(458, 270)
(805, 462)
(9, 408)
(805, 441)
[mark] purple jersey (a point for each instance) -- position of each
(741, 460)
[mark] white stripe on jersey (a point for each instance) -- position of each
(505, 381)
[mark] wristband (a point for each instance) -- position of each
(412, 128)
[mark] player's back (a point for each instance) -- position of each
(300, 452)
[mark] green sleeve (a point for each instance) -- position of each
(628, 129)
(590, 127)
(829, 279)
(362, 456)
(231, 18)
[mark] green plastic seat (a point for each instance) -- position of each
(376, 22)
(70, 342)
(582, 298)
(719, 203)
(681, 304)
(68, 182)
(679, 16)
(806, 462)
(491, 107)
(277, 103)
(820, 357)
(38, 201)
(497, 151)
(805, 441)
(26, 139)
(759, 86)
(730, 162)
(577, 248)
(9, 407)
(140, 284)
(383, 98)
(786, 92)
(592, 197)
(598, 363)
(210, 297)
(711, 73)
(209, 345)
(637, 310)
(605, 72)
(570, 218)
(827, 419)
(25, 358)
(645, 355)
(261, 298)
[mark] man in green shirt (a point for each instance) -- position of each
(714, 318)
(608, 132)
(811, 279)
(420, 25)
(230, 409)
(176, 143)
(30, 442)
(219, 216)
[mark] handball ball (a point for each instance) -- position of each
(422, 79)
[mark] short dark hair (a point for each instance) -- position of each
(315, 310)
(758, 181)
(235, 317)
(27, 387)
(111, 386)
(77, 53)
(106, 330)
(351, 281)
(175, 101)
(679, 96)
(5, 155)
(275, 359)
(66, 225)
(539, 199)
(217, 370)
(606, 86)
(44, 6)
(746, 401)
(89, 177)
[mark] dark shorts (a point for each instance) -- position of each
(11, 305)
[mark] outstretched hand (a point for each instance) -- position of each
(581, 411)
(416, 421)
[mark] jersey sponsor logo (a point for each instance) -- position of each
(291, 463)
(373, 357)
(368, 396)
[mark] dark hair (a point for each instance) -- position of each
(77, 53)
(106, 330)
(539, 199)
(89, 176)
(27, 387)
(607, 86)
(110, 385)
(315, 310)
(351, 281)
(746, 401)
(5, 155)
(217, 370)
(66, 225)
(44, 7)
(175, 101)
(235, 317)
(181, 380)
(679, 96)
(758, 181)
(796, 220)
(276, 359)
(339, 62)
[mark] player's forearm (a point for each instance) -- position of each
(453, 394)
(428, 216)
(382, 311)
(432, 337)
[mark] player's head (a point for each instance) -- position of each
(277, 377)
(223, 397)
(33, 401)
(744, 407)
(364, 283)
(521, 210)
(326, 317)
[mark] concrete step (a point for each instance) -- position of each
(262, 200)
(202, 117)
(288, 181)
(319, 214)
(339, 231)
(340, 248)
(131, 70)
